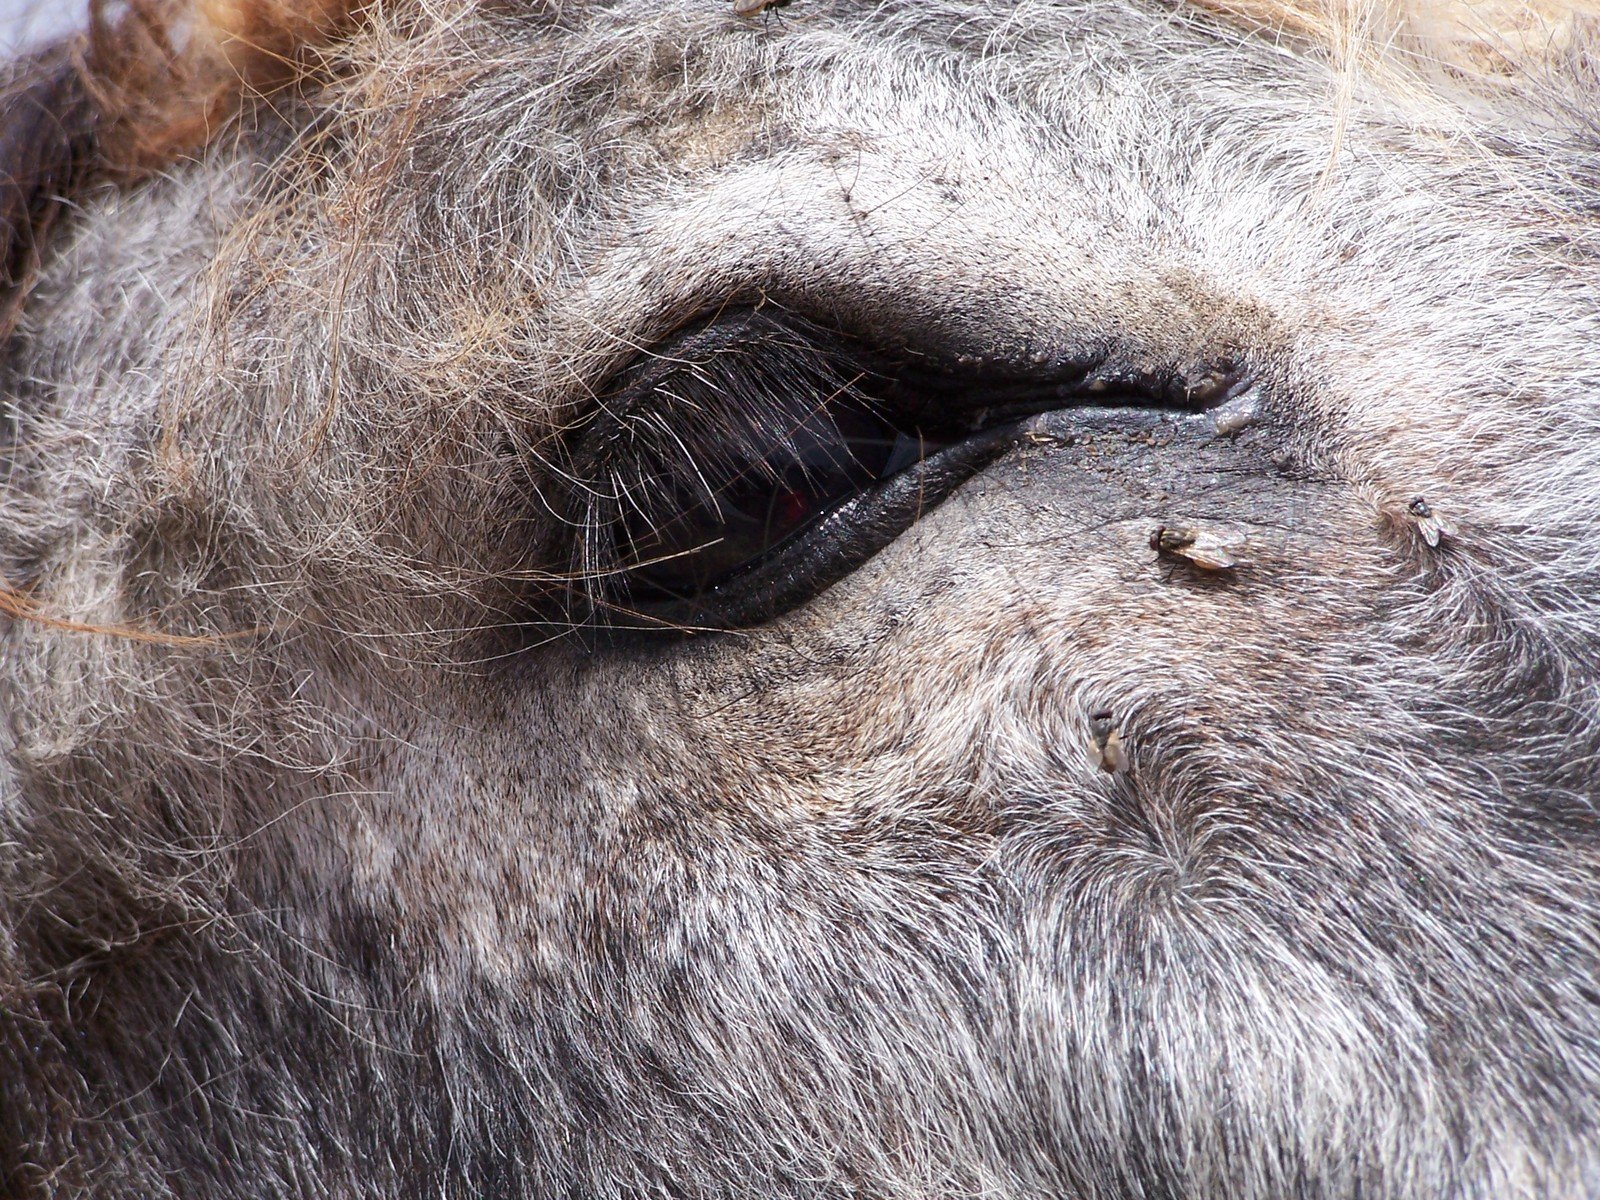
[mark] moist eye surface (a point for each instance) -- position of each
(716, 450)
(698, 531)
(750, 462)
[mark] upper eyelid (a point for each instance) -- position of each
(670, 354)
(757, 344)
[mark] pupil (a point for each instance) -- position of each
(741, 499)
(792, 508)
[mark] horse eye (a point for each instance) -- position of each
(743, 467)
(737, 470)
(742, 505)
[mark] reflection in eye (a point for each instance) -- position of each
(742, 503)
(744, 466)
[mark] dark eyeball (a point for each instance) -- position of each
(744, 466)
(737, 508)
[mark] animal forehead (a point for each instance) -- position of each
(172, 67)
(1456, 28)
(910, 180)
(990, 173)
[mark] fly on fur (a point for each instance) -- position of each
(1211, 547)
(1106, 750)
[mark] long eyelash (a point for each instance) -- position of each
(713, 416)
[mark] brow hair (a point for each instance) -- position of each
(158, 80)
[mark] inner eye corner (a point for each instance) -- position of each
(1214, 380)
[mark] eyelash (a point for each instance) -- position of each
(717, 407)
(753, 461)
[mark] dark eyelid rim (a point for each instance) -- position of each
(916, 378)
(850, 535)
(828, 550)
(935, 387)
(980, 405)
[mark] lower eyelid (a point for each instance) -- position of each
(839, 541)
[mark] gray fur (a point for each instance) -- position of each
(367, 894)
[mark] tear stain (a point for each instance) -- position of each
(1211, 547)
(1106, 750)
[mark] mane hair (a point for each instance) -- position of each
(46, 143)
(1465, 40)
(145, 85)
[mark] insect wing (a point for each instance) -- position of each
(1217, 549)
